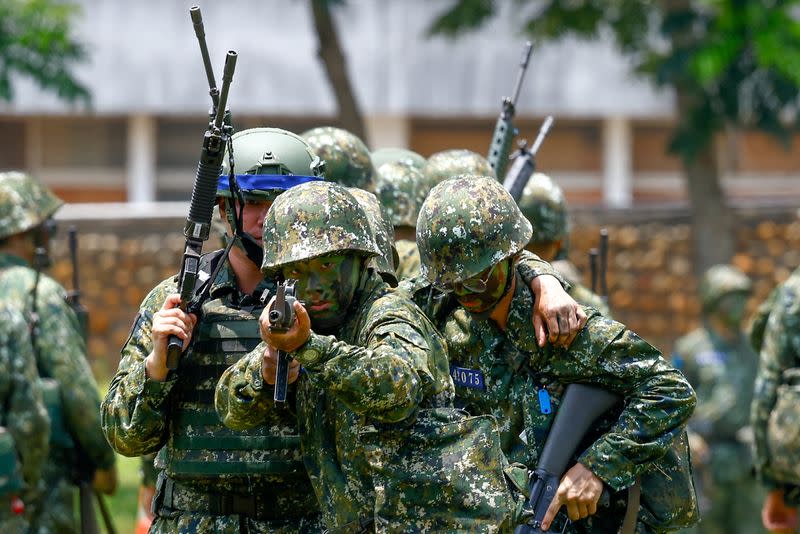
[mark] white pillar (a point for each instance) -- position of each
(617, 163)
(141, 161)
(387, 131)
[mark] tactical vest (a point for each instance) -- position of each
(200, 446)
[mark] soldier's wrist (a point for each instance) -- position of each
(155, 369)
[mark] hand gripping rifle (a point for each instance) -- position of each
(580, 408)
(504, 130)
(281, 319)
(198, 223)
(525, 162)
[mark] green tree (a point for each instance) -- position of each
(35, 42)
(731, 63)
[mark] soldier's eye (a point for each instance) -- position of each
(328, 265)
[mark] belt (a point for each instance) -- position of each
(174, 495)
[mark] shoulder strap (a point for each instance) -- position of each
(209, 268)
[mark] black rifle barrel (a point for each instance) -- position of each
(593, 268)
(603, 262)
(523, 67)
(200, 32)
(72, 233)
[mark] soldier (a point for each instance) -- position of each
(399, 188)
(398, 155)
(721, 366)
(374, 387)
(24, 425)
(470, 232)
(384, 263)
(448, 163)
(347, 159)
(78, 449)
(775, 413)
(543, 204)
(213, 479)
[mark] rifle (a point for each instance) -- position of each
(204, 192)
(525, 162)
(603, 264)
(580, 407)
(74, 295)
(200, 32)
(593, 268)
(504, 130)
(281, 318)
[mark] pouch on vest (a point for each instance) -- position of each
(60, 438)
(11, 480)
(443, 461)
(783, 430)
(669, 500)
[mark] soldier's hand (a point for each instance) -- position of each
(777, 517)
(556, 316)
(269, 367)
(292, 339)
(105, 480)
(169, 320)
(580, 491)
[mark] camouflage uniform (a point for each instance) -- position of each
(213, 479)
(469, 224)
(370, 394)
(543, 204)
(774, 412)
(722, 372)
(347, 159)
(60, 356)
(448, 163)
(384, 263)
(24, 425)
(397, 155)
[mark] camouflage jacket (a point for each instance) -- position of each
(61, 355)
(22, 411)
(408, 259)
(578, 291)
(509, 376)
(138, 412)
(383, 364)
(780, 352)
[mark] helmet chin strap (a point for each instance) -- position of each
(242, 240)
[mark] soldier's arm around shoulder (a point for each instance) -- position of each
(26, 416)
(658, 400)
(135, 413)
(242, 398)
(402, 359)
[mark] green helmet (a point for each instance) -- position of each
(466, 225)
(268, 153)
(543, 204)
(312, 220)
(720, 280)
(449, 163)
(399, 187)
(394, 155)
(384, 263)
(25, 203)
(346, 157)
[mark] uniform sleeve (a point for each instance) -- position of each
(780, 351)
(242, 399)
(62, 356)
(658, 400)
(530, 266)
(26, 420)
(134, 412)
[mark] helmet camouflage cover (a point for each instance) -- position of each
(466, 225)
(262, 156)
(314, 219)
(395, 155)
(456, 162)
(347, 159)
(384, 233)
(400, 188)
(25, 203)
(721, 280)
(543, 204)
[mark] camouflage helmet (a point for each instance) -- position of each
(543, 204)
(262, 157)
(466, 225)
(314, 219)
(395, 155)
(720, 280)
(346, 157)
(384, 263)
(25, 203)
(449, 163)
(400, 188)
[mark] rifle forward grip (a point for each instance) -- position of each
(204, 194)
(174, 349)
(281, 377)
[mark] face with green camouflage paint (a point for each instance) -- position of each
(494, 281)
(326, 285)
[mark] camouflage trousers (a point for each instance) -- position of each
(55, 508)
(181, 522)
(730, 506)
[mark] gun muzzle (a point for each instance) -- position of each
(227, 78)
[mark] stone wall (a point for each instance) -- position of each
(650, 279)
